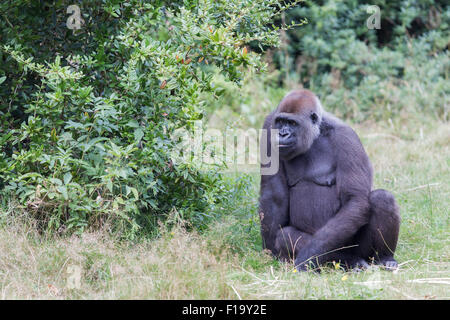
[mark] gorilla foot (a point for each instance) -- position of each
(359, 265)
(388, 263)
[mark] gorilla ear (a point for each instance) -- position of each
(314, 118)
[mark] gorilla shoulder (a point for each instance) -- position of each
(349, 154)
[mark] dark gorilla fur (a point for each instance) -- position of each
(319, 207)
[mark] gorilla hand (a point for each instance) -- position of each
(306, 260)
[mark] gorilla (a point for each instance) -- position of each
(319, 206)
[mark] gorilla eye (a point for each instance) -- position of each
(314, 117)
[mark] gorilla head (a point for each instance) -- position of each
(298, 119)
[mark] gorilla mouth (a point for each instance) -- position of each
(285, 145)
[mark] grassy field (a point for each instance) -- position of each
(411, 158)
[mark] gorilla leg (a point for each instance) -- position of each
(378, 239)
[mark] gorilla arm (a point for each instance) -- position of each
(354, 181)
(273, 201)
(273, 209)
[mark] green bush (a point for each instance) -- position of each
(86, 115)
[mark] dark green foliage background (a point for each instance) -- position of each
(362, 73)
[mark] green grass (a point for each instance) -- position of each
(410, 158)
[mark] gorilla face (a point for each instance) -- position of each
(296, 133)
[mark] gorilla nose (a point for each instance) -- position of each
(284, 134)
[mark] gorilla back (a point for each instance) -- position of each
(319, 206)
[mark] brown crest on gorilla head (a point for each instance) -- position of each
(298, 101)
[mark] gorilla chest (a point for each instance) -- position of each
(313, 197)
(312, 205)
